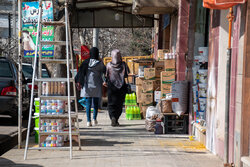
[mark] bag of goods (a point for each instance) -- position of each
(179, 97)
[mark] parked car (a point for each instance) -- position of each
(9, 90)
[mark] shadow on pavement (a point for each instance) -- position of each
(7, 121)
(100, 142)
(5, 162)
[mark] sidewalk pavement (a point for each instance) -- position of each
(129, 145)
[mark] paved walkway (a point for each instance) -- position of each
(129, 145)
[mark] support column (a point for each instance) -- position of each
(182, 38)
(95, 37)
(245, 123)
(20, 60)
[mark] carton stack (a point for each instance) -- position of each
(145, 90)
(200, 72)
(154, 83)
(167, 77)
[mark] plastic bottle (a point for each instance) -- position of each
(129, 99)
(129, 112)
(126, 100)
(158, 127)
(133, 99)
(138, 114)
(134, 113)
(126, 112)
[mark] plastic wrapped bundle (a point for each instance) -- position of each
(179, 97)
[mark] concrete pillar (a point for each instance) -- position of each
(182, 38)
(95, 37)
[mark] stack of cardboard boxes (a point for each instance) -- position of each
(167, 77)
(158, 78)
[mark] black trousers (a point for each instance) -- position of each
(116, 99)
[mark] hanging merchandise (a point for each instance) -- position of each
(200, 74)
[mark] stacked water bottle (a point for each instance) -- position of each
(53, 141)
(132, 110)
(51, 125)
(52, 107)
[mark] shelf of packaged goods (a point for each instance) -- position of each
(49, 148)
(63, 116)
(56, 97)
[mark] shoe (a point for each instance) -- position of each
(117, 123)
(113, 121)
(94, 122)
(89, 124)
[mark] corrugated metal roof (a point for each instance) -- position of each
(154, 6)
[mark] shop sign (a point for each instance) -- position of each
(30, 11)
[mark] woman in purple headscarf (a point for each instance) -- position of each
(117, 71)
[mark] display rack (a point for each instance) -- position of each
(57, 122)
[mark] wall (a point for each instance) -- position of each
(239, 31)
(211, 113)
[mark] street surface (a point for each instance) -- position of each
(8, 133)
(129, 145)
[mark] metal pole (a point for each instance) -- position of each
(9, 41)
(227, 95)
(19, 73)
(14, 19)
(33, 77)
(68, 82)
(95, 37)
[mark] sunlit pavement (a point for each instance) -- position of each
(129, 145)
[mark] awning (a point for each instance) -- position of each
(221, 4)
(154, 6)
(107, 14)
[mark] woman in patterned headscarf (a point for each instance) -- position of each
(117, 71)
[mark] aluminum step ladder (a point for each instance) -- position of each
(69, 80)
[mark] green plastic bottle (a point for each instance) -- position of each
(127, 113)
(133, 99)
(134, 112)
(138, 113)
(126, 100)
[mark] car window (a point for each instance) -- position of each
(5, 69)
(27, 71)
(45, 73)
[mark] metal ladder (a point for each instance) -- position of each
(69, 62)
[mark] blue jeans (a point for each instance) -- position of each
(88, 107)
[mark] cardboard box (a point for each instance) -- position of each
(143, 110)
(157, 84)
(147, 99)
(141, 68)
(161, 53)
(169, 65)
(159, 67)
(139, 81)
(148, 86)
(139, 94)
(131, 79)
(165, 89)
(167, 77)
(166, 106)
(149, 73)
